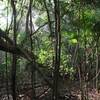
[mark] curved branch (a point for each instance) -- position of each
(41, 27)
(8, 47)
(16, 50)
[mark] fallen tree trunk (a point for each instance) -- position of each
(8, 46)
(16, 50)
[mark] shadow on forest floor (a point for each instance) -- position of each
(69, 91)
(91, 93)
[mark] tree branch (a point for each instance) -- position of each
(8, 47)
(41, 27)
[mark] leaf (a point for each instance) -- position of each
(74, 41)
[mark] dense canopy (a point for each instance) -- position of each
(49, 49)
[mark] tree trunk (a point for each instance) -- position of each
(57, 50)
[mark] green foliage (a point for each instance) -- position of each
(73, 41)
(43, 56)
(2, 67)
(97, 14)
(21, 37)
(76, 29)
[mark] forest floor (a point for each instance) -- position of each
(90, 93)
(71, 92)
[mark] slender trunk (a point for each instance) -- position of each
(57, 49)
(97, 63)
(14, 59)
(7, 76)
(14, 77)
(33, 63)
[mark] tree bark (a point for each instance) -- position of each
(57, 50)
